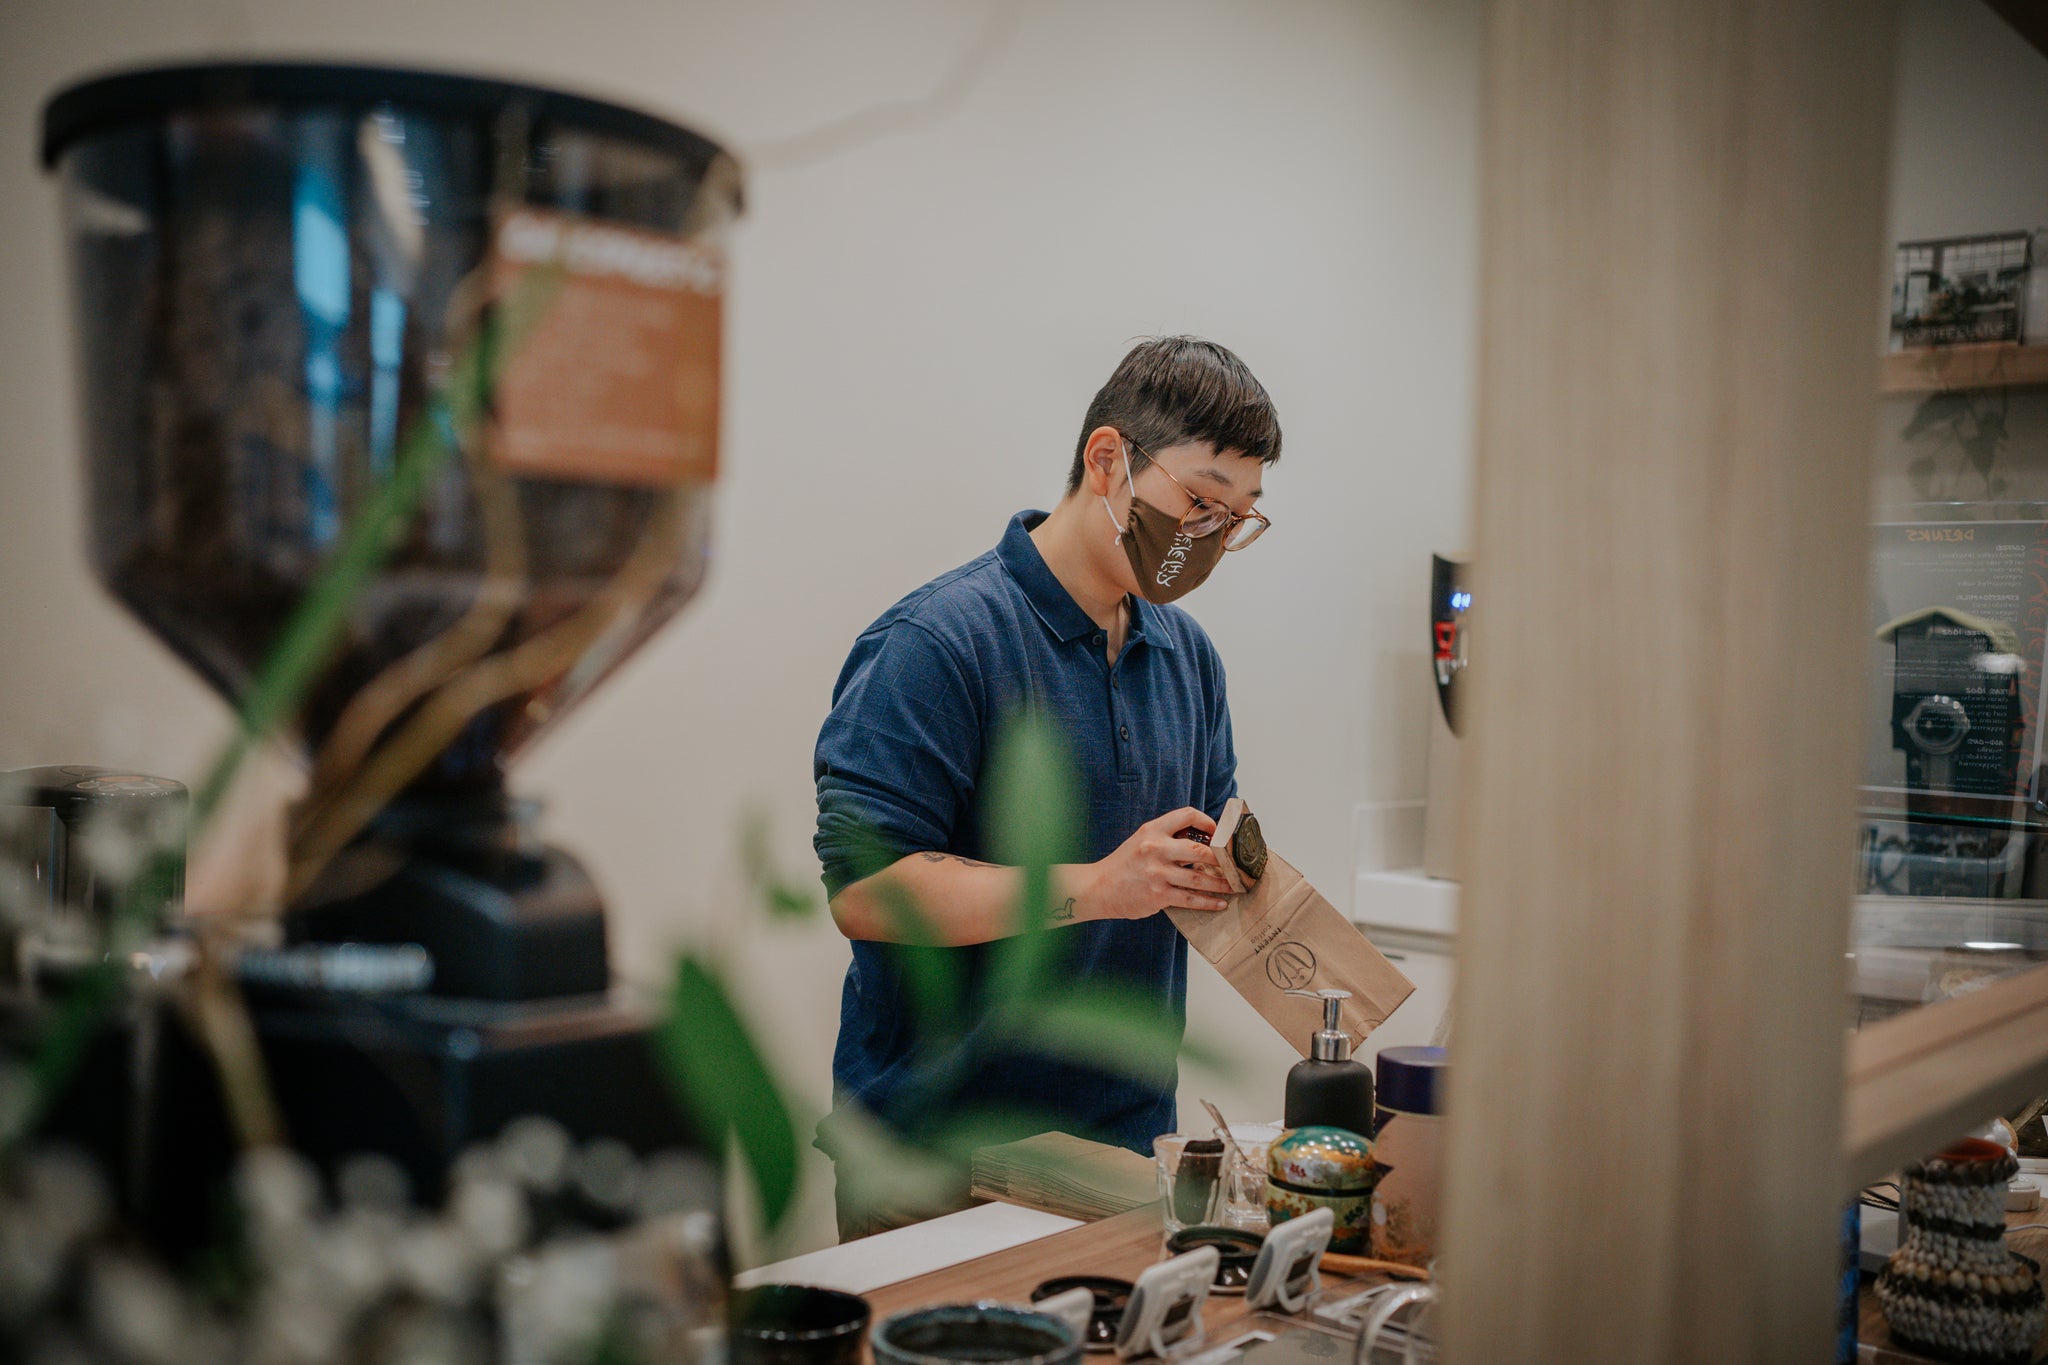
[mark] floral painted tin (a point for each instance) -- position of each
(1324, 1168)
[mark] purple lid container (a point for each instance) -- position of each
(1412, 1079)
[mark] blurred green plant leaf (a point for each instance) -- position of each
(990, 1125)
(868, 852)
(784, 899)
(616, 1342)
(934, 976)
(878, 1167)
(724, 1083)
(1034, 796)
(1034, 823)
(1105, 1027)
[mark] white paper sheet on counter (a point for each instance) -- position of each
(919, 1249)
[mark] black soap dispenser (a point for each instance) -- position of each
(1327, 1087)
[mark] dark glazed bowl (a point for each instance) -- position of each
(1112, 1296)
(982, 1333)
(1236, 1250)
(793, 1324)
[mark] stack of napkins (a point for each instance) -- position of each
(1063, 1174)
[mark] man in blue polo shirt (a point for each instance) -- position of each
(1068, 617)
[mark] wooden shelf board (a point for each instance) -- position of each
(1917, 1079)
(1992, 366)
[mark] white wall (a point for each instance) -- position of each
(1967, 155)
(921, 310)
(1966, 159)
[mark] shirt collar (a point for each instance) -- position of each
(1053, 603)
(1148, 625)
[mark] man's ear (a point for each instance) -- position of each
(1102, 461)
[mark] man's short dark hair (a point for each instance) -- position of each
(1174, 390)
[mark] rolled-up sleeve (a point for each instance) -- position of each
(898, 756)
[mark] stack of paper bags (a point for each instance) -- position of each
(1063, 1174)
(1278, 935)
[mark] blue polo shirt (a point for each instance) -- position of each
(901, 758)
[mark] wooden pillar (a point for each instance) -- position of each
(1682, 288)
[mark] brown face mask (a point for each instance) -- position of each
(1168, 562)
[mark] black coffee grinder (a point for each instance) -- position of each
(283, 276)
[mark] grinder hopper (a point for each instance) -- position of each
(277, 270)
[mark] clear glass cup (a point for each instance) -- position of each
(1191, 1189)
(1241, 1202)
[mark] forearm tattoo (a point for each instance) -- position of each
(1063, 913)
(933, 856)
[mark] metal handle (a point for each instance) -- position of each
(1382, 1316)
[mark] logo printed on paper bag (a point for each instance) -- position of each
(1291, 966)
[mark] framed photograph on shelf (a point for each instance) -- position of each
(1954, 291)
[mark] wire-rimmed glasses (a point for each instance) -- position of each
(1209, 516)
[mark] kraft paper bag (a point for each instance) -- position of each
(1279, 934)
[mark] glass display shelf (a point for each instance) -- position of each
(1908, 951)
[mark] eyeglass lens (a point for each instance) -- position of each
(1244, 533)
(1207, 518)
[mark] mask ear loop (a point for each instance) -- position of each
(1132, 481)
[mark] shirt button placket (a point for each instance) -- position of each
(1123, 729)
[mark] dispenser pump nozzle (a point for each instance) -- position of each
(1329, 1043)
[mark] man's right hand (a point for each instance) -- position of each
(1154, 871)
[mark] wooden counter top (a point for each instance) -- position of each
(1122, 1246)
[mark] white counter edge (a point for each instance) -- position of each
(1407, 899)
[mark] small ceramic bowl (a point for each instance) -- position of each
(793, 1324)
(1236, 1250)
(984, 1333)
(1111, 1297)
